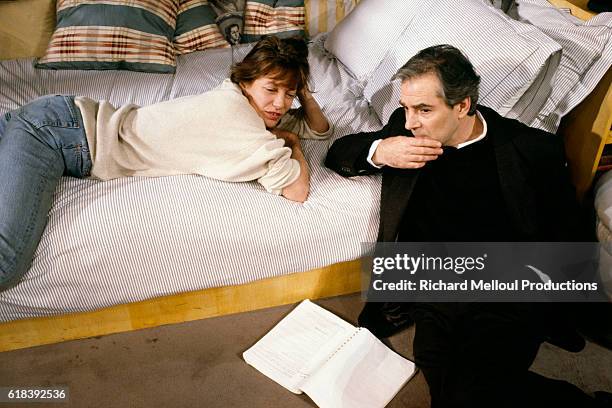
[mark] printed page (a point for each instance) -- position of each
(364, 373)
(298, 345)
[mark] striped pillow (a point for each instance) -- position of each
(196, 28)
(509, 56)
(282, 18)
(586, 57)
(113, 34)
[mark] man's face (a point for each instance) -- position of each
(427, 114)
(235, 33)
(270, 99)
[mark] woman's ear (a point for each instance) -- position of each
(244, 87)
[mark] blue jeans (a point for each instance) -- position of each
(39, 143)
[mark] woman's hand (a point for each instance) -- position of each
(314, 116)
(304, 96)
(298, 190)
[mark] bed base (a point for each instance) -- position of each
(338, 279)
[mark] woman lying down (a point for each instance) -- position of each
(242, 130)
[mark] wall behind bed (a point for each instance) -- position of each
(26, 25)
(322, 15)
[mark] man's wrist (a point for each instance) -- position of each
(376, 160)
(372, 153)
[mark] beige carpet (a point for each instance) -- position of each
(199, 364)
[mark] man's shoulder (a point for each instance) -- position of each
(506, 129)
(534, 145)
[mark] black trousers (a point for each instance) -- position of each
(478, 355)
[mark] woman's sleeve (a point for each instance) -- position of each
(294, 121)
(281, 169)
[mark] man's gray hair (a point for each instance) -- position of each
(454, 70)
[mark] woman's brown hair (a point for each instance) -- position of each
(285, 59)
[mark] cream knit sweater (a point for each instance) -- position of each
(216, 134)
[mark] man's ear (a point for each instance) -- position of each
(464, 106)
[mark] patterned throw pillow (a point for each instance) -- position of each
(230, 19)
(282, 18)
(113, 34)
(196, 27)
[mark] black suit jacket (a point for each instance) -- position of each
(531, 167)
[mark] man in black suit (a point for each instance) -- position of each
(455, 171)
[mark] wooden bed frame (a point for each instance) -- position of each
(338, 279)
(585, 130)
(588, 127)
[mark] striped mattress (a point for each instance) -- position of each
(131, 239)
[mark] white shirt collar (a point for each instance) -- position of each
(482, 135)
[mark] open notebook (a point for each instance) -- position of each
(337, 364)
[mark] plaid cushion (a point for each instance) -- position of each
(113, 34)
(196, 28)
(282, 18)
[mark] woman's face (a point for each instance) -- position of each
(270, 98)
